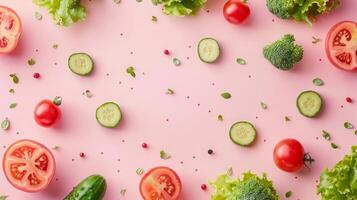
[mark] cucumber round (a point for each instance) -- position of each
(208, 50)
(91, 188)
(108, 115)
(242, 133)
(309, 103)
(80, 64)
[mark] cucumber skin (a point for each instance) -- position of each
(96, 116)
(198, 52)
(86, 74)
(91, 188)
(255, 133)
(301, 112)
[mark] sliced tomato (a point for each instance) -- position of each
(10, 29)
(160, 183)
(28, 165)
(341, 45)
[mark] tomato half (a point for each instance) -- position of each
(10, 29)
(46, 113)
(341, 45)
(289, 155)
(28, 165)
(235, 11)
(160, 183)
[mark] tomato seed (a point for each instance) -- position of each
(204, 187)
(144, 145)
(36, 75)
(349, 99)
(166, 52)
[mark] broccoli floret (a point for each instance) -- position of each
(282, 8)
(283, 53)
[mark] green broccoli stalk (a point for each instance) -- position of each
(283, 54)
(249, 186)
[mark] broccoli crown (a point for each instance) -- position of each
(256, 189)
(281, 8)
(283, 53)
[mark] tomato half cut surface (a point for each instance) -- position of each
(341, 45)
(28, 165)
(10, 29)
(160, 183)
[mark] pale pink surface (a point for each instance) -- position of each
(191, 129)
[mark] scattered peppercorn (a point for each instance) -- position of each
(204, 187)
(349, 99)
(166, 52)
(82, 155)
(210, 151)
(144, 145)
(36, 75)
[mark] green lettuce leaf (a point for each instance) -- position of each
(340, 182)
(180, 7)
(249, 186)
(64, 12)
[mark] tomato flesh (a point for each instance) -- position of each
(46, 113)
(28, 165)
(10, 29)
(289, 155)
(235, 11)
(160, 183)
(341, 45)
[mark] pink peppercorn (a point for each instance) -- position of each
(36, 75)
(166, 52)
(348, 99)
(144, 145)
(82, 155)
(204, 187)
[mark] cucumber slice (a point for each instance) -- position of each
(208, 50)
(309, 103)
(80, 64)
(242, 133)
(108, 115)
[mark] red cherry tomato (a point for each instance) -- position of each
(160, 183)
(10, 29)
(46, 113)
(289, 155)
(235, 11)
(29, 166)
(341, 45)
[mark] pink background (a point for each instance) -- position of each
(191, 129)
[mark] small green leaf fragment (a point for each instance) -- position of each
(154, 18)
(326, 135)
(13, 105)
(164, 155)
(15, 79)
(170, 91)
(318, 82)
(333, 145)
(55, 147)
(241, 61)
(348, 125)
(130, 70)
(263, 105)
(220, 118)
(287, 119)
(140, 171)
(226, 95)
(176, 62)
(230, 171)
(38, 16)
(55, 46)
(315, 40)
(12, 91)
(123, 192)
(31, 62)
(5, 124)
(117, 1)
(288, 194)
(3, 197)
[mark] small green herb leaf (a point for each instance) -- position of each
(220, 118)
(333, 145)
(315, 40)
(55, 147)
(263, 105)
(31, 62)
(55, 46)
(326, 135)
(318, 82)
(226, 95)
(3, 197)
(348, 125)
(5, 124)
(176, 62)
(12, 91)
(140, 171)
(117, 1)
(154, 18)
(287, 119)
(164, 155)
(15, 79)
(230, 171)
(38, 16)
(130, 70)
(13, 105)
(123, 192)
(288, 194)
(169, 91)
(241, 61)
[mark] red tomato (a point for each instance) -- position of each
(28, 165)
(46, 113)
(10, 29)
(235, 11)
(341, 45)
(160, 183)
(289, 155)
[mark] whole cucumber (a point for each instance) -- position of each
(91, 188)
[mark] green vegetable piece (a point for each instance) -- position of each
(140, 171)
(81, 64)
(263, 105)
(208, 50)
(3, 197)
(226, 95)
(108, 115)
(12, 91)
(283, 53)
(123, 192)
(176, 62)
(309, 103)
(154, 18)
(326, 135)
(247, 187)
(318, 82)
(130, 70)
(242, 133)
(220, 118)
(91, 188)
(288, 194)
(180, 7)
(340, 182)
(15, 79)
(287, 119)
(170, 91)
(64, 12)
(164, 155)
(334, 146)
(13, 105)
(241, 61)
(31, 62)
(5, 124)
(348, 125)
